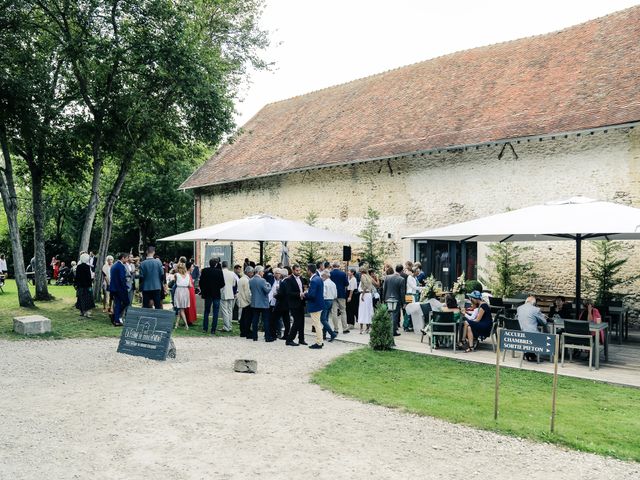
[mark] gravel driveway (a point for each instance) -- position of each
(77, 409)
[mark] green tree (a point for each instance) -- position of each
(510, 273)
(310, 252)
(145, 70)
(604, 271)
(381, 337)
(150, 206)
(374, 250)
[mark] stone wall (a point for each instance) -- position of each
(419, 192)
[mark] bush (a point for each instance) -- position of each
(472, 285)
(381, 337)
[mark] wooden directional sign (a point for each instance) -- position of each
(147, 333)
(530, 342)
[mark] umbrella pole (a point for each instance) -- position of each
(578, 272)
(261, 252)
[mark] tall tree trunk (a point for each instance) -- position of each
(42, 290)
(10, 202)
(92, 206)
(107, 222)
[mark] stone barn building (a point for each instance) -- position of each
(449, 139)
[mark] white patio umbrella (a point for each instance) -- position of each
(263, 228)
(578, 218)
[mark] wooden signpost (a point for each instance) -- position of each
(147, 333)
(528, 342)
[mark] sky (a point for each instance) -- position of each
(319, 43)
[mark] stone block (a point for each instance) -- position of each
(31, 325)
(246, 366)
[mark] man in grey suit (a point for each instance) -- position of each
(152, 280)
(395, 286)
(529, 318)
(260, 289)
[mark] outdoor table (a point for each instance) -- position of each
(593, 327)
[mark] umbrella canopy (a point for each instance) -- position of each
(578, 218)
(263, 228)
(565, 219)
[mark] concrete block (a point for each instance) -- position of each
(31, 325)
(246, 366)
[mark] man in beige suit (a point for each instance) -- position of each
(244, 303)
(227, 298)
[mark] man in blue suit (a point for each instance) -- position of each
(118, 288)
(315, 303)
(260, 289)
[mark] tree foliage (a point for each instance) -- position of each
(604, 271)
(310, 252)
(98, 89)
(374, 251)
(510, 273)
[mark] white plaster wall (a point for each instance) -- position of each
(435, 190)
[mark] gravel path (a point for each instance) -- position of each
(77, 409)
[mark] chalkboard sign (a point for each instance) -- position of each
(147, 333)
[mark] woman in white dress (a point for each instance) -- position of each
(365, 308)
(181, 297)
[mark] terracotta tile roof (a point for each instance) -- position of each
(582, 77)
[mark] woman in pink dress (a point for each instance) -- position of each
(191, 313)
(592, 314)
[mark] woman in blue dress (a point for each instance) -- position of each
(478, 327)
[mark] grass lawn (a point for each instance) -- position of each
(591, 416)
(66, 321)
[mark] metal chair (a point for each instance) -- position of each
(576, 336)
(442, 325)
(426, 314)
(498, 321)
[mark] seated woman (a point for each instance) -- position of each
(592, 314)
(478, 327)
(451, 306)
(561, 308)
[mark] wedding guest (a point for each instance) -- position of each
(293, 289)
(106, 281)
(211, 283)
(84, 283)
(152, 279)
(561, 307)
(260, 289)
(330, 293)
(118, 288)
(339, 308)
(227, 298)
(3, 265)
(365, 304)
(480, 327)
(181, 298)
(352, 298)
(315, 303)
(592, 314)
(191, 313)
(244, 302)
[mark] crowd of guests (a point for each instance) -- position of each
(274, 300)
